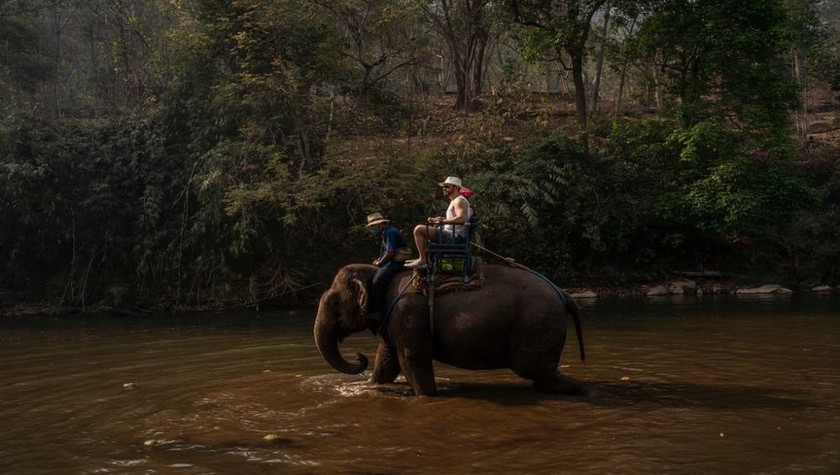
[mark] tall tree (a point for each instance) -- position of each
(721, 58)
(124, 39)
(808, 37)
(559, 29)
(599, 68)
(255, 85)
(98, 54)
(622, 36)
(801, 20)
(830, 59)
(381, 36)
(464, 26)
(24, 65)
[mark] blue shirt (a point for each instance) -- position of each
(392, 238)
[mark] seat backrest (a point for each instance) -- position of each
(473, 227)
(455, 257)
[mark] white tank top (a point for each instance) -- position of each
(459, 230)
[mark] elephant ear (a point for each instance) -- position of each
(361, 294)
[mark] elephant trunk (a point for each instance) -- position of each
(327, 336)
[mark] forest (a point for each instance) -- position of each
(183, 154)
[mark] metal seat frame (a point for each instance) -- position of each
(453, 247)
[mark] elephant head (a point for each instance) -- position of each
(341, 312)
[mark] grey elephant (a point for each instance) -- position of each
(515, 320)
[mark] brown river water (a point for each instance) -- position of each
(711, 385)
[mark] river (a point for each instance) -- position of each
(713, 385)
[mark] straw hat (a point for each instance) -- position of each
(375, 218)
(451, 180)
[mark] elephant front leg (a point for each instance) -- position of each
(418, 370)
(386, 366)
(411, 335)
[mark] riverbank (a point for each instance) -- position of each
(699, 285)
(691, 287)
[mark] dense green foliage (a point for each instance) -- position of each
(255, 136)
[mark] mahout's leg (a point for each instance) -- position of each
(386, 366)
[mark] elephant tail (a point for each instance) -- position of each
(573, 310)
(571, 307)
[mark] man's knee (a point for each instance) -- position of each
(424, 230)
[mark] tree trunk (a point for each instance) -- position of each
(622, 78)
(580, 90)
(620, 95)
(57, 30)
(466, 41)
(478, 64)
(801, 114)
(596, 88)
(463, 98)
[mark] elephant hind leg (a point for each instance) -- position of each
(536, 367)
(386, 367)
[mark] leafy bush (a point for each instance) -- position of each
(88, 204)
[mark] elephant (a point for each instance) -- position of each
(514, 320)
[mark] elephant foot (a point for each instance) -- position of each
(560, 384)
(394, 390)
(385, 377)
(429, 392)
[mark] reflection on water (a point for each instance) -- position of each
(720, 385)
